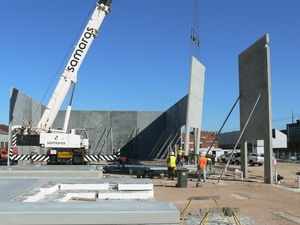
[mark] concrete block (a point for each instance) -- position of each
(130, 187)
(83, 186)
(126, 195)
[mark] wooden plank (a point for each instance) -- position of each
(219, 210)
(84, 199)
(203, 197)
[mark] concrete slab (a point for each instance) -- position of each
(98, 211)
(157, 169)
(89, 213)
(80, 171)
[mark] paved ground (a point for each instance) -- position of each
(259, 203)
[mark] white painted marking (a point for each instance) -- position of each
(238, 196)
(288, 216)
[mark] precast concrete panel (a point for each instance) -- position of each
(195, 103)
(150, 127)
(254, 77)
(169, 135)
(176, 115)
(195, 96)
(138, 134)
(96, 124)
(24, 111)
(124, 125)
(134, 132)
(255, 98)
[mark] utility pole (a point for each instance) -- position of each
(293, 116)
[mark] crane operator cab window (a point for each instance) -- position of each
(82, 133)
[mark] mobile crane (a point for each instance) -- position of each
(63, 147)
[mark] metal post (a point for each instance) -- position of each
(223, 125)
(244, 128)
(10, 129)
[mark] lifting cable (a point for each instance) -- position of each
(64, 59)
(195, 36)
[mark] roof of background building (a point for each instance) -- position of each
(3, 129)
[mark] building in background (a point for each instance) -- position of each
(3, 136)
(228, 141)
(207, 140)
(293, 138)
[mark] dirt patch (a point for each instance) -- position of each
(259, 203)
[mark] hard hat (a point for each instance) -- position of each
(172, 153)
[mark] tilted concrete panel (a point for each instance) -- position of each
(196, 91)
(255, 89)
(195, 103)
(24, 111)
(254, 76)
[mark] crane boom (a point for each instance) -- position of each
(69, 75)
(60, 146)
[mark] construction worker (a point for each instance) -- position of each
(208, 164)
(202, 167)
(171, 165)
(122, 161)
(187, 158)
(179, 157)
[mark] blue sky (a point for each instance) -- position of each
(140, 60)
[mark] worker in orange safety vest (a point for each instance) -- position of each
(202, 167)
(122, 161)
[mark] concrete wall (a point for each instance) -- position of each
(109, 131)
(139, 134)
(254, 77)
(255, 101)
(24, 111)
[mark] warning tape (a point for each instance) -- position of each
(43, 158)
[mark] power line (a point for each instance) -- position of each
(286, 118)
